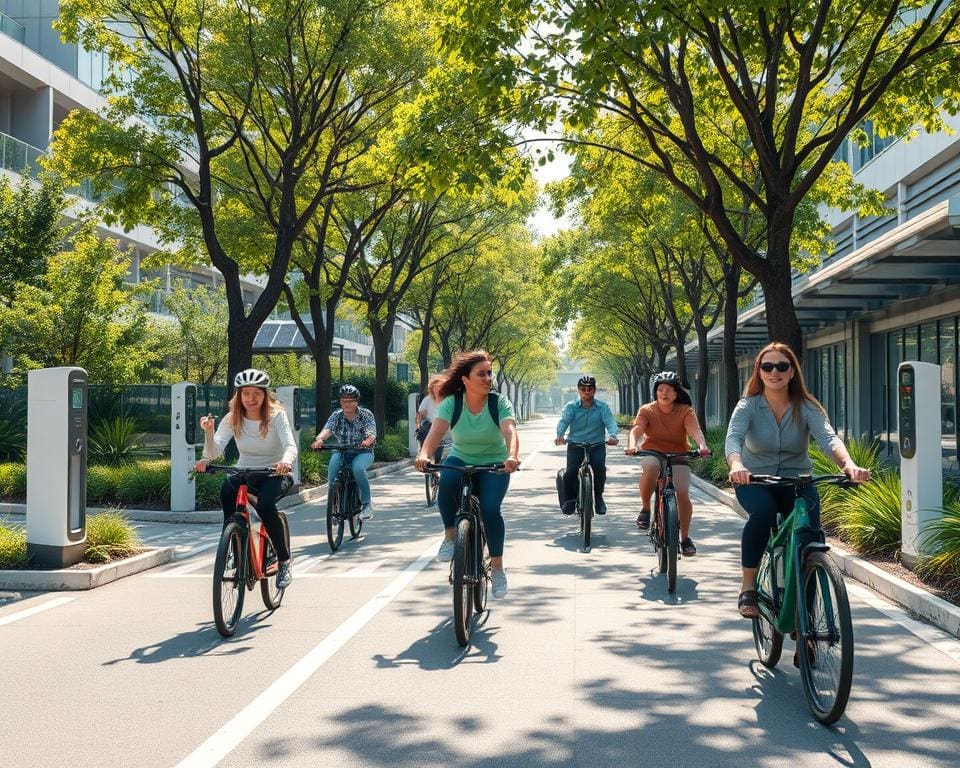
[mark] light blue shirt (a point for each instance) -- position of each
(587, 425)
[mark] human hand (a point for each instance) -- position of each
(317, 444)
(367, 442)
(421, 463)
(207, 423)
(855, 473)
(201, 466)
(558, 440)
(739, 474)
(612, 441)
(705, 451)
(282, 468)
(630, 451)
(512, 464)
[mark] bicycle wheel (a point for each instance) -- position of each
(826, 652)
(335, 513)
(768, 641)
(483, 573)
(431, 482)
(272, 594)
(356, 522)
(585, 502)
(671, 537)
(228, 584)
(462, 589)
(656, 533)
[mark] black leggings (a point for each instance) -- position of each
(267, 490)
(762, 503)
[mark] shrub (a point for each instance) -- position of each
(109, 536)
(208, 490)
(865, 453)
(867, 517)
(144, 482)
(13, 481)
(942, 539)
(13, 439)
(102, 484)
(392, 447)
(13, 546)
(115, 441)
(624, 421)
(713, 467)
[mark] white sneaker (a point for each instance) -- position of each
(445, 553)
(284, 575)
(499, 583)
(366, 511)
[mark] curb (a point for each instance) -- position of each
(69, 579)
(207, 516)
(915, 600)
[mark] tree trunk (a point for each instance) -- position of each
(731, 377)
(777, 283)
(381, 334)
(703, 374)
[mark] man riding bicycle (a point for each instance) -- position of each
(588, 421)
(352, 425)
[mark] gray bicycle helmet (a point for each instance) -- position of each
(251, 378)
(587, 381)
(671, 378)
(348, 390)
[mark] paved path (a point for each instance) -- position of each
(587, 662)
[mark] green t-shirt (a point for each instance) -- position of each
(476, 438)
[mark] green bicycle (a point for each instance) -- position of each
(800, 592)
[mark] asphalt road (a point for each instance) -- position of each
(587, 662)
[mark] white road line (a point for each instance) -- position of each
(932, 636)
(362, 571)
(304, 565)
(56, 602)
(198, 549)
(224, 741)
(182, 570)
(547, 441)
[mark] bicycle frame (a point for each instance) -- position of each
(664, 488)
(477, 532)
(583, 469)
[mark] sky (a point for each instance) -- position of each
(542, 223)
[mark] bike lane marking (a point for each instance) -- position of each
(55, 603)
(932, 636)
(529, 457)
(225, 740)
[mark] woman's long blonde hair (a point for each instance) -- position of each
(799, 394)
(268, 407)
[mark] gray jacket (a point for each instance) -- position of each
(768, 448)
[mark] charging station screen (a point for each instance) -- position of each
(76, 398)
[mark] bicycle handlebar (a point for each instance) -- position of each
(469, 469)
(584, 445)
(662, 455)
(357, 448)
(802, 480)
(234, 470)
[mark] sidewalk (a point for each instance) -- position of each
(915, 600)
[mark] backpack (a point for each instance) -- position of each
(493, 406)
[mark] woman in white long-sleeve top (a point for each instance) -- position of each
(258, 425)
(769, 433)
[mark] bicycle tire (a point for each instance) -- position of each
(356, 522)
(585, 502)
(656, 533)
(462, 590)
(272, 594)
(826, 653)
(335, 512)
(671, 534)
(228, 581)
(431, 483)
(483, 569)
(767, 640)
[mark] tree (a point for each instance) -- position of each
(84, 314)
(32, 230)
(195, 343)
(795, 79)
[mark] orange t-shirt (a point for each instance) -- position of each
(665, 432)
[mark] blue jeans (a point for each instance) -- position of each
(598, 462)
(762, 503)
(490, 489)
(359, 463)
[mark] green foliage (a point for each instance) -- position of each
(102, 483)
(115, 441)
(365, 381)
(13, 546)
(392, 447)
(942, 539)
(13, 431)
(868, 517)
(208, 491)
(147, 482)
(713, 467)
(195, 347)
(865, 453)
(313, 464)
(13, 481)
(109, 537)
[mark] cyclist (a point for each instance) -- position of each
(484, 432)
(588, 420)
(769, 433)
(258, 425)
(427, 412)
(352, 425)
(666, 422)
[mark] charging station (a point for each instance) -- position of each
(290, 398)
(921, 467)
(183, 440)
(413, 402)
(56, 466)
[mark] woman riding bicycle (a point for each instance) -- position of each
(355, 426)
(666, 422)
(427, 412)
(477, 439)
(769, 433)
(258, 425)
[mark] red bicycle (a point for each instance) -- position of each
(244, 559)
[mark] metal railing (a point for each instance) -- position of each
(12, 28)
(18, 156)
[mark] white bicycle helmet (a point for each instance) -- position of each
(251, 378)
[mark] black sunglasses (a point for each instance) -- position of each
(781, 366)
(587, 386)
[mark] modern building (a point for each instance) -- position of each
(42, 79)
(889, 292)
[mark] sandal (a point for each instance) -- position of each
(747, 604)
(687, 547)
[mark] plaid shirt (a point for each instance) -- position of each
(351, 433)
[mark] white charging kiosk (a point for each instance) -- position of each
(413, 402)
(183, 440)
(56, 466)
(290, 397)
(921, 467)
